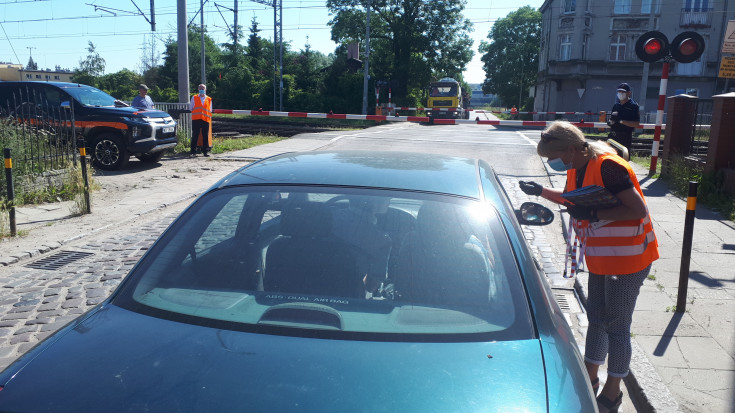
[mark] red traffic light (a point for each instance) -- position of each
(687, 47)
(652, 46)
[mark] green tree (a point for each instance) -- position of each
(122, 85)
(255, 48)
(90, 67)
(168, 75)
(510, 59)
(409, 40)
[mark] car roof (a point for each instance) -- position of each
(380, 169)
(63, 85)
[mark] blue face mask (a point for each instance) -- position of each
(558, 165)
(202, 92)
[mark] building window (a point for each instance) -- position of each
(646, 6)
(696, 5)
(622, 7)
(565, 47)
(617, 47)
(56, 77)
(569, 6)
(38, 76)
(29, 76)
(48, 77)
(585, 45)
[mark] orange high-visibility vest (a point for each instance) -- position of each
(202, 111)
(619, 247)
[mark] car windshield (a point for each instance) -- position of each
(90, 96)
(341, 262)
(443, 91)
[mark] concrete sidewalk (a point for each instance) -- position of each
(683, 361)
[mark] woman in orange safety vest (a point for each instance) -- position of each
(618, 245)
(201, 122)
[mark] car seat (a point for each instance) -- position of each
(307, 259)
(437, 263)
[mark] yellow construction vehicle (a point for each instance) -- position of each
(446, 100)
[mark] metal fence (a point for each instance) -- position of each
(38, 132)
(701, 128)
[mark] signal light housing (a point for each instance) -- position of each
(687, 47)
(652, 46)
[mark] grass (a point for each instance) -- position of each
(222, 145)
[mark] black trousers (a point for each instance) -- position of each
(201, 140)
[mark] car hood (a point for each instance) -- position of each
(118, 360)
(130, 112)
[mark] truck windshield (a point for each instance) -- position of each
(90, 96)
(445, 90)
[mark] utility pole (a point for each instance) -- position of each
(183, 51)
(277, 51)
(366, 75)
(153, 16)
(235, 29)
(201, 15)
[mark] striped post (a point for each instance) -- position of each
(686, 248)
(85, 179)
(659, 117)
(390, 95)
(10, 189)
(377, 100)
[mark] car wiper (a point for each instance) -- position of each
(307, 315)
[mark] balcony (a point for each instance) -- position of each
(695, 18)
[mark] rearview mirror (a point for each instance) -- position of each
(532, 213)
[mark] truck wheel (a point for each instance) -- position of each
(109, 152)
(150, 157)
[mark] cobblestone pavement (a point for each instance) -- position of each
(36, 302)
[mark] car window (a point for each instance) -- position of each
(90, 96)
(342, 262)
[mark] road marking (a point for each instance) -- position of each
(529, 140)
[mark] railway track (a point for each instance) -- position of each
(240, 127)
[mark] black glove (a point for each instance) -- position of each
(582, 213)
(613, 119)
(530, 187)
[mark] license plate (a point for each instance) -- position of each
(168, 129)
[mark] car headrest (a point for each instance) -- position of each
(306, 220)
(441, 223)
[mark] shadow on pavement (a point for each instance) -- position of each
(668, 334)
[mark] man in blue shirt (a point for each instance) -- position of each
(142, 101)
(625, 117)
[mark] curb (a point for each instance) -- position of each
(6, 261)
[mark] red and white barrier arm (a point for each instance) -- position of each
(383, 118)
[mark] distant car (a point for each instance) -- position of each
(324, 281)
(113, 131)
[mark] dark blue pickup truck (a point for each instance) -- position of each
(112, 130)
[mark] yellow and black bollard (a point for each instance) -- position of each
(83, 160)
(11, 190)
(686, 248)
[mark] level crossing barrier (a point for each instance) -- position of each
(384, 118)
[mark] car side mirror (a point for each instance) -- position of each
(532, 213)
(66, 104)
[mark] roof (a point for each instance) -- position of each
(381, 169)
(57, 84)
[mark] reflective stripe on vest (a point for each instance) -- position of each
(202, 111)
(633, 239)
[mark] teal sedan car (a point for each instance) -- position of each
(324, 282)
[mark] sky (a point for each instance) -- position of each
(56, 32)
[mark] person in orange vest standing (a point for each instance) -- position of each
(201, 122)
(617, 243)
(514, 112)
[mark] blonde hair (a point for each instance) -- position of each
(562, 135)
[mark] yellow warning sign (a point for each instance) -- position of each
(727, 67)
(728, 44)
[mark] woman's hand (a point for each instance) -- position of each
(531, 188)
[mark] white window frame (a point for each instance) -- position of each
(565, 47)
(622, 6)
(568, 6)
(646, 6)
(619, 41)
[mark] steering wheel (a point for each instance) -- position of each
(336, 199)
